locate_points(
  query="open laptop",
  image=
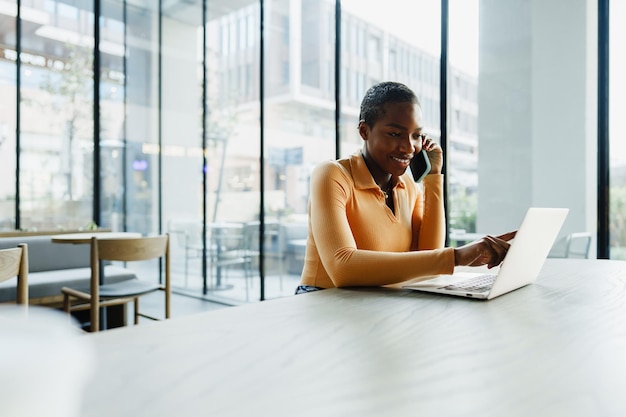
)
(521, 265)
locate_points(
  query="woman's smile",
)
(400, 163)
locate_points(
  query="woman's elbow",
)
(341, 269)
(344, 276)
(342, 282)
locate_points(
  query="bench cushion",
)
(49, 283)
(43, 255)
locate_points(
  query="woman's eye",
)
(394, 134)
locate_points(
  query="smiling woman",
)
(370, 223)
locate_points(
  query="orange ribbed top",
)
(356, 240)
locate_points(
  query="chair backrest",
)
(577, 245)
(128, 250)
(135, 249)
(14, 263)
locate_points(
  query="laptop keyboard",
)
(479, 284)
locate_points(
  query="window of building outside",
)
(380, 44)
(617, 132)
(56, 111)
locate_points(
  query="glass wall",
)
(299, 127)
(462, 150)
(200, 136)
(617, 131)
(140, 176)
(112, 110)
(56, 111)
(178, 93)
(232, 137)
(8, 114)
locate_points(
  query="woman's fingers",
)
(498, 247)
(507, 236)
(488, 250)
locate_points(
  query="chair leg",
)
(95, 316)
(136, 310)
(66, 303)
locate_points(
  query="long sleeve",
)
(430, 219)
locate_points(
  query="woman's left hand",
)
(435, 154)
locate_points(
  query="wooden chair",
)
(104, 295)
(14, 263)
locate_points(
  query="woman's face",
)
(395, 137)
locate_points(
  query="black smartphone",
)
(420, 166)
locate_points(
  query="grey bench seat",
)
(53, 266)
(44, 284)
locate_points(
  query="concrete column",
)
(537, 111)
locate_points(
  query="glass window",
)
(401, 38)
(224, 37)
(299, 132)
(112, 118)
(175, 145)
(138, 169)
(8, 94)
(312, 48)
(66, 11)
(373, 48)
(243, 38)
(253, 29)
(617, 132)
(50, 6)
(207, 211)
(56, 137)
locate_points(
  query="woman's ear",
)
(364, 129)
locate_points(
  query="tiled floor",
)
(182, 305)
(236, 288)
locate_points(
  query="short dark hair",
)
(381, 93)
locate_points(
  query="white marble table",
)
(554, 348)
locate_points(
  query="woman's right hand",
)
(488, 250)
